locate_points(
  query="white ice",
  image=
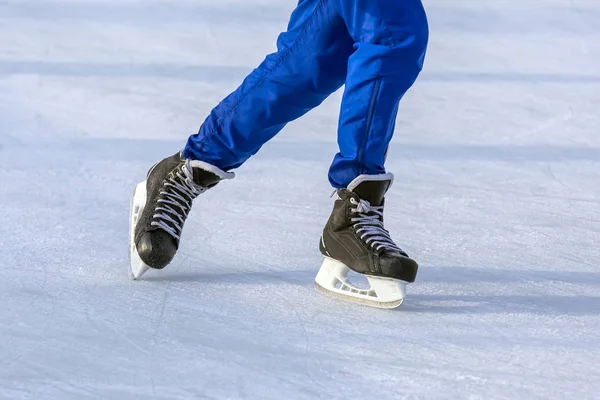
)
(497, 195)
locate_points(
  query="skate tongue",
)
(371, 188)
(205, 178)
(207, 175)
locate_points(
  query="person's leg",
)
(309, 65)
(391, 39)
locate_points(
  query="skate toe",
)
(398, 266)
(156, 248)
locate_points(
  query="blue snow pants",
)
(375, 48)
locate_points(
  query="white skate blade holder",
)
(332, 281)
(137, 267)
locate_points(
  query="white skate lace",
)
(369, 225)
(173, 203)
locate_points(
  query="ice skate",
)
(355, 239)
(160, 206)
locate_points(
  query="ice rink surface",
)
(497, 195)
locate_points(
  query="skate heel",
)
(332, 280)
(138, 201)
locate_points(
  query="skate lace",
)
(369, 225)
(174, 204)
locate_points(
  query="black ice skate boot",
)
(355, 238)
(160, 206)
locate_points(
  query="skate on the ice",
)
(355, 239)
(160, 206)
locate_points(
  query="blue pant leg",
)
(391, 39)
(309, 65)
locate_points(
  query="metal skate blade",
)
(332, 280)
(136, 272)
(359, 300)
(137, 268)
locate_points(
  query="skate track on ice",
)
(497, 163)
